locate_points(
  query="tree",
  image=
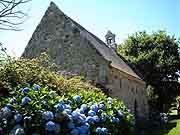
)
(11, 16)
(157, 57)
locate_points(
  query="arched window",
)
(135, 109)
(109, 40)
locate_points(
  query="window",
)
(109, 40)
(102, 74)
(132, 90)
(120, 83)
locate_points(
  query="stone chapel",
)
(78, 51)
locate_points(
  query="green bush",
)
(38, 71)
(178, 99)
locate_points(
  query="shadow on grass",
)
(152, 128)
(168, 127)
(174, 117)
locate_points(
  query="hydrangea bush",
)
(38, 110)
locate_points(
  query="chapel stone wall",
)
(129, 90)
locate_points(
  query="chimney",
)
(110, 40)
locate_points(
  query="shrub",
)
(24, 71)
(41, 110)
(178, 100)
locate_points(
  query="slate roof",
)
(108, 53)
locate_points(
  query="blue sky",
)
(122, 17)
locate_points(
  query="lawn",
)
(171, 128)
(176, 129)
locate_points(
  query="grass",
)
(171, 128)
(175, 130)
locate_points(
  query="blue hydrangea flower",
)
(115, 120)
(120, 113)
(81, 119)
(96, 118)
(81, 111)
(84, 107)
(104, 130)
(25, 100)
(53, 94)
(109, 99)
(75, 115)
(77, 98)
(101, 106)
(91, 113)
(48, 115)
(67, 111)
(18, 117)
(60, 107)
(90, 119)
(83, 115)
(94, 107)
(19, 131)
(36, 87)
(75, 131)
(6, 109)
(50, 126)
(83, 130)
(67, 106)
(70, 125)
(9, 106)
(6, 113)
(12, 132)
(25, 90)
(70, 102)
(99, 130)
(29, 118)
(87, 124)
(70, 117)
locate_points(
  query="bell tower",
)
(110, 40)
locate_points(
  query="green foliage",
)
(178, 99)
(41, 71)
(152, 97)
(156, 56)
